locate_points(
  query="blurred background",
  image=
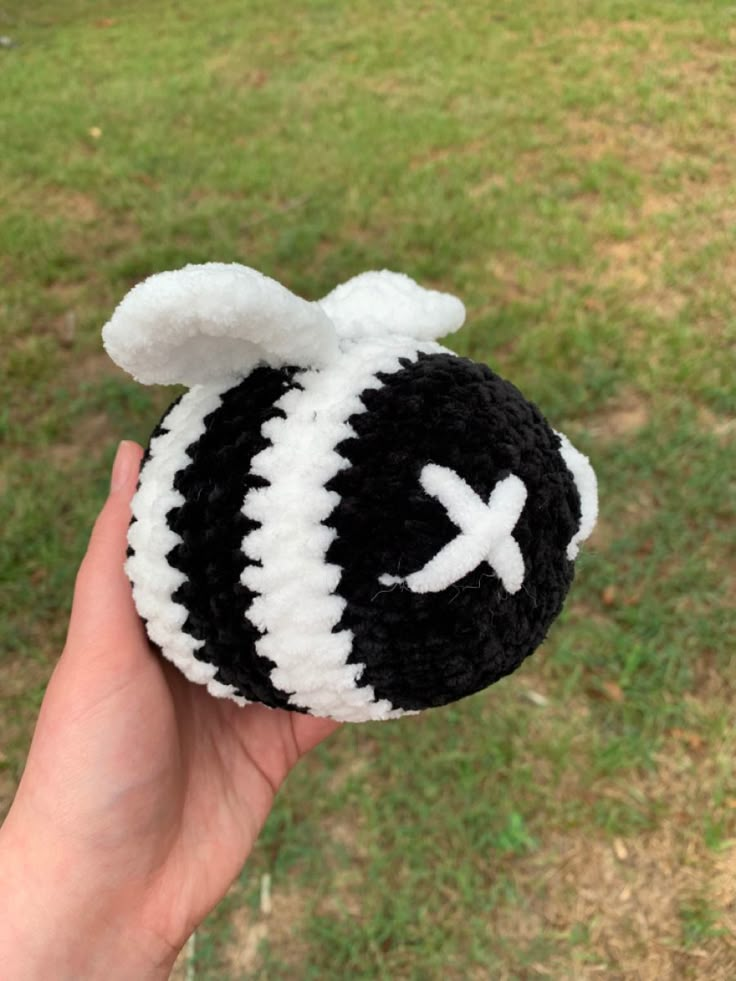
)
(568, 169)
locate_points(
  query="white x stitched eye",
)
(485, 533)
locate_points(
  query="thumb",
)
(103, 607)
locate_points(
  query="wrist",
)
(56, 923)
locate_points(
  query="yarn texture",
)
(341, 516)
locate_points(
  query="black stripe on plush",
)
(212, 527)
(159, 430)
(421, 650)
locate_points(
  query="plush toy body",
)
(340, 516)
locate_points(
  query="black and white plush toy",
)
(340, 516)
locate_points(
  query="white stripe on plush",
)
(296, 606)
(154, 580)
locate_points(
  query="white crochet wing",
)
(380, 303)
(206, 323)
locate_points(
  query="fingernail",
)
(120, 467)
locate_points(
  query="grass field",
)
(568, 169)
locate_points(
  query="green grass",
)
(568, 170)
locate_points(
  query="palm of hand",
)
(159, 787)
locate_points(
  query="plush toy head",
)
(340, 516)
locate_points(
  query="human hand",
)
(142, 795)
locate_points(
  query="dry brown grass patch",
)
(438, 155)
(721, 426)
(618, 421)
(637, 267)
(646, 148)
(491, 182)
(91, 434)
(724, 884)
(514, 278)
(631, 893)
(279, 928)
(359, 766)
(72, 205)
(91, 367)
(637, 264)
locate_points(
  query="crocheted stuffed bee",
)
(340, 516)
